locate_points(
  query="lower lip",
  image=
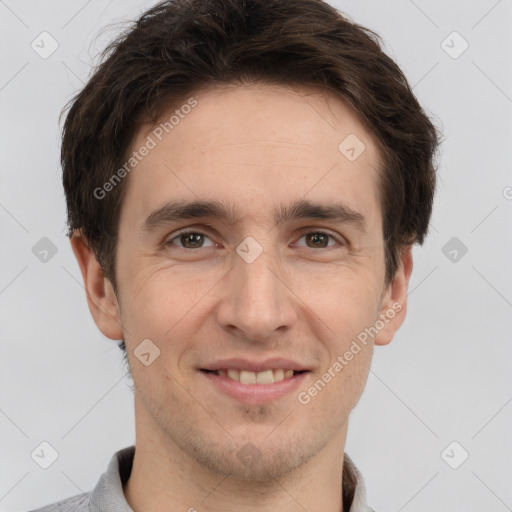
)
(254, 394)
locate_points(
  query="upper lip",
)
(255, 366)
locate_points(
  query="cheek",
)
(156, 297)
(344, 299)
(349, 347)
(346, 309)
(337, 387)
(167, 308)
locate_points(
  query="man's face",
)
(301, 289)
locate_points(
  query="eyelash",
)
(169, 241)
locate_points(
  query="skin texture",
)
(257, 147)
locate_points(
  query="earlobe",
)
(101, 298)
(393, 308)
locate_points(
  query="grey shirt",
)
(108, 494)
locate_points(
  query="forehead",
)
(259, 142)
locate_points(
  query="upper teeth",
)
(264, 377)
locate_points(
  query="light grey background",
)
(445, 377)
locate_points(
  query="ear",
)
(101, 298)
(393, 307)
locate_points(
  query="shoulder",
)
(78, 503)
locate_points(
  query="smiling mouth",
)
(264, 377)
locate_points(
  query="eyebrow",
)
(301, 209)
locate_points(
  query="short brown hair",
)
(179, 46)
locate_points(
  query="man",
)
(245, 180)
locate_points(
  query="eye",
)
(190, 240)
(196, 239)
(320, 239)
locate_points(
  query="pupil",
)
(316, 236)
(193, 236)
(195, 239)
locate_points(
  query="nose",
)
(257, 302)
